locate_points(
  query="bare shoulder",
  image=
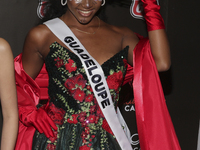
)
(38, 34)
(4, 45)
(5, 49)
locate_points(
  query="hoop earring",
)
(63, 3)
(104, 1)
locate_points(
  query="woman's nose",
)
(87, 3)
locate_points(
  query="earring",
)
(104, 1)
(63, 3)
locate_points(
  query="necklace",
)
(90, 32)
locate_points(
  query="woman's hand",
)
(42, 122)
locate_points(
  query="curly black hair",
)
(53, 9)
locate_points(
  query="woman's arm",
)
(156, 34)
(32, 61)
(8, 97)
(160, 49)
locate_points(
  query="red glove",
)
(41, 121)
(152, 15)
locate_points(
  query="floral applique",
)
(51, 146)
(59, 62)
(70, 66)
(56, 114)
(75, 85)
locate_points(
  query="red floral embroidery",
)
(75, 85)
(56, 114)
(82, 114)
(96, 120)
(53, 139)
(106, 127)
(87, 130)
(91, 118)
(81, 119)
(85, 147)
(92, 109)
(83, 135)
(73, 120)
(59, 62)
(99, 112)
(79, 95)
(89, 88)
(70, 66)
(89, 98)
(51, 147)
(114, 80)
(84, 124)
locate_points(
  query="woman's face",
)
(84, 10)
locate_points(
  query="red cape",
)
(155, 128)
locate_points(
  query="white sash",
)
(96, 77)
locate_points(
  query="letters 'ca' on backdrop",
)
(180, 83)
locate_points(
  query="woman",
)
(8, 97)
(73, 105)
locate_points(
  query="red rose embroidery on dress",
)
(59, 62)
(51, 147)
(106, 127)
(79, 95)
(83, 114)
(99, 112)
(114, 80)
(53, 139)
(75, 85)
(56, 114)
(91, 118)
(89, 98)
(73, 120)
(70, 66)
(92, 109)
(85, 147)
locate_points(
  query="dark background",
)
(181, 83)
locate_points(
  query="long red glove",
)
(41, 121)
(152, 15)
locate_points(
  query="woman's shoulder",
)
(128, 37)
(5, 50)
(4, 46)
(39, 32)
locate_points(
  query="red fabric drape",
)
(28, 97)
(155, 128)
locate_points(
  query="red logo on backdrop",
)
(136, 9)
(41, 8)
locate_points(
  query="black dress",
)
(73, 107)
